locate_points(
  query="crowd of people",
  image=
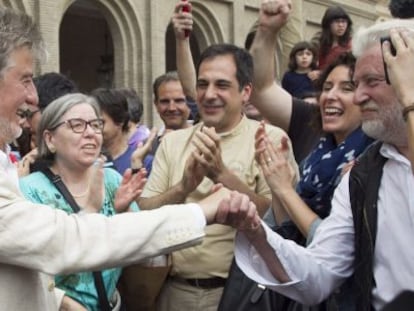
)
(302, 185)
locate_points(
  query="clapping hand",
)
(208, 154)
(142, 150)
(130, 189)
(278, 172)
(96, 192)
(23, 166)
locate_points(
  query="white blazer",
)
(37, 242)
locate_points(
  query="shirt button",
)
(51, 285)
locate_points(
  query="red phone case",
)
(186, 8)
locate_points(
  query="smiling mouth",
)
(333, 112)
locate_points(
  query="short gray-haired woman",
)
(69, 143)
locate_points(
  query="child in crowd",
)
(302, 60)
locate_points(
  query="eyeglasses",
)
(79, 125)
(27, 113)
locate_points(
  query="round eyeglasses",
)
(79, 125)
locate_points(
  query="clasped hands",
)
(204, 161)
(233, 209)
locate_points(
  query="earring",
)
(52, 149)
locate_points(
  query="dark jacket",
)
(364, 183)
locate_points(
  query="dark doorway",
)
(170, 54)
(86, 48)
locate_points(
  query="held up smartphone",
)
(393, 52)
(186, 8)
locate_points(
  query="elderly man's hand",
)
(239, 212)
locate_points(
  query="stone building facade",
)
(127, 43)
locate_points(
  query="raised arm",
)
(270, 98)
(182, 21)
(401, 74)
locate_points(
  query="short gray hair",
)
(18, 30)
(366, 37)
(52, 115)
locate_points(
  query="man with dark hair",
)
(49, 86)
(219, 149)
(36, 241)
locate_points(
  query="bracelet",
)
(406, 110)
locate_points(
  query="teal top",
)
(36, 187)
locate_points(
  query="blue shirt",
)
(123, 162)
(297, 84)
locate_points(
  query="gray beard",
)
(395, 135)
(7, 132)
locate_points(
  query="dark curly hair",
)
(402, 8)
(298, 47)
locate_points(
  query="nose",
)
(210, 92)
(360, 96)
(332, 93)
(172, 105)
(31, 94)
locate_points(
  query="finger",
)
(223, 211)
(386, 52)
(208, 138)
(211, 133)
(284, 144)
(179, 6)
(250, 221)
(216, 187)
(408, 37)
(126, 177)
(201, 146)
(200, 159)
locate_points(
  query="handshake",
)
(231, 208)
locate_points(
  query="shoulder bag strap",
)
(97, 276)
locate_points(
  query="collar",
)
(236, 130)
(390, 152)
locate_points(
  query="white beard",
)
(9, 131)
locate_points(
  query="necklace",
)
(80, 195)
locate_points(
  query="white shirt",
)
(8, 167)
(317, 270)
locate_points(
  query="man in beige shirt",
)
(220, 149)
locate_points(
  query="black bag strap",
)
(57, 181)
(97, 275)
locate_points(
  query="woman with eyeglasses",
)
(70, 146)
(334, 39)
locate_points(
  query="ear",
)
(247, 92)
(49, 140)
